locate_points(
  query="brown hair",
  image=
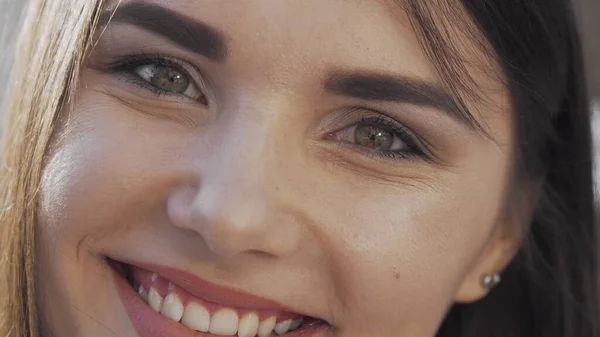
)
(51, 48)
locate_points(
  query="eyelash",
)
(416, 149)
(126, 68)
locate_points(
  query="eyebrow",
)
(180, 29)
(380, 87)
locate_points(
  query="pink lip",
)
(149, 323)
(211, 292)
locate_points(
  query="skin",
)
(253, 192)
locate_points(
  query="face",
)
(239, 167)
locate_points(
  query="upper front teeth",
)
(224, 322)
(248, 326)
(196, 317)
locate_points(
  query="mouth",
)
(161, 301)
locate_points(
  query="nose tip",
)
(234, 221)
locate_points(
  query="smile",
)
(165, 302)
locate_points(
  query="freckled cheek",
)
(106, 162)
(405, 246)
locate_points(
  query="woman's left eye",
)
(380, 136)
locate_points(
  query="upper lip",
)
(212, 292)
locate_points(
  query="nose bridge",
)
(243, 167)
(237, 207)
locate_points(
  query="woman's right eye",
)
(162, 76)
(169, 80)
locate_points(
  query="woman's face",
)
(240, 161)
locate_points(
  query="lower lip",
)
(149, 323)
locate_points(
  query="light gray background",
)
(587, 10)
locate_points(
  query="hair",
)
(550, 289)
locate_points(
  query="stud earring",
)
(490, 281)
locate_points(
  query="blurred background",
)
(588, 12)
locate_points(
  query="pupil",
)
(374, 137)
(170, 79)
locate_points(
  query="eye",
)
(380, 136)
(376, 138)
(168, 79)
(162, 76)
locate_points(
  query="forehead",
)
(355, 32)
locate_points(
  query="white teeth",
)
(283, 327)
(142, 292)
(172, 307)
(155, 300)
(196, 317)
(266, 327)
(248, 325)
(296, 323)
(224, 322)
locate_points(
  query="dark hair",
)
(551, 288)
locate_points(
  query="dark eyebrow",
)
(378, 87)
(182, 30)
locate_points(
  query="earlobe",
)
(504, 245)
(486, 273)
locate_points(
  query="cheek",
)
(104, 167)
(409, 244)
(95, 183)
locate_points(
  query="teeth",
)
(155, 300)
(283, 327)
(296, 323)
(248, 325)
(224, 322)
(172, 307)
(196, 317)
(266, 327)
(142, 292)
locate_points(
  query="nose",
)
(237, 206)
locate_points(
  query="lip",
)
(212, 292)
(149, 323)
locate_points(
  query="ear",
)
(500, 250)
(503, 245)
